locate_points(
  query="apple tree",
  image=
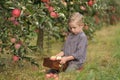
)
(26, 24)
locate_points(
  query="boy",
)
(75, 46)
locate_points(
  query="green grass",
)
(103, 60)
(103, 57)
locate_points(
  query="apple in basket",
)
(55, 58)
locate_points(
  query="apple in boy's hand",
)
(53, 58)
(58, 57)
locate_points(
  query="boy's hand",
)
(63, 60)
(66, 58)
(55, 58)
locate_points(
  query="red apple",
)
(54, 14)
(13, 40)
(46, 1)
(16, 12)
(15, 58)
(17, 46)
(50, 9)
(90, 3)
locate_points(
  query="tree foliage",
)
(48, 18)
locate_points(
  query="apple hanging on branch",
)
(54, 14)
(15, 58)
(45, 1)
(13, 40)
(16, 12)
(90, 3)
(17, 46)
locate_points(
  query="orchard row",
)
(23, 21)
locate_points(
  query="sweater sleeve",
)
(80, 52)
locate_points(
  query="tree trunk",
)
(40, 39)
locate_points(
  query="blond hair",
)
(76, 17)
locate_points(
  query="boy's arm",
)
(66, 59)
(60, 54)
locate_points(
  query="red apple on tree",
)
(15, 58)
(46, 1)
(50, 9)
(90, 2)
(17, 46)
(54, 14)
(16, 12)
(13, 40)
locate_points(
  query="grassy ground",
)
(103, 61)
(103, 57)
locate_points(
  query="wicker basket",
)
(54, 64)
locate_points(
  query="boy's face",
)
(75, 28)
